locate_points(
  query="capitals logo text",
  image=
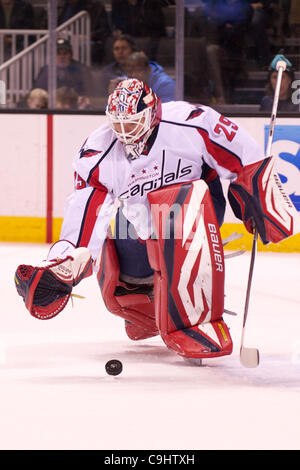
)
(162, 180)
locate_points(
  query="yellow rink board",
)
(290, 245)
(23, 229)
(33, 230)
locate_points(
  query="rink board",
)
(37, 173)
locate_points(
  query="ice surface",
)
(55, 393)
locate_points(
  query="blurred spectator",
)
(258, 29)
(140, 18)
(285, 102)
(100, 29)
(15, 14)
(70, 73)
(226, 27)
(123, 46)
(216, 64)
(68, 98)
(139, 66)
(195, 17)
(37, 99)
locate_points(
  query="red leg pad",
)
(188, 261)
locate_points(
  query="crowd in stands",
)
(135, 38)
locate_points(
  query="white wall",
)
(23, 165)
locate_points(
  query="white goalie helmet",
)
(133, 111)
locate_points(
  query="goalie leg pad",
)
(188, 261)
(206, 340)
(134, 303)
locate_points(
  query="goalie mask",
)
(133, 111)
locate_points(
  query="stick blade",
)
(249, 357)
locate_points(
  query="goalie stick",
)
(249, 357)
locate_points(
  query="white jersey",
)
(187, 136)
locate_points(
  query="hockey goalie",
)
(162, 269)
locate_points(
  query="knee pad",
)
(132, 302)
(132, 254)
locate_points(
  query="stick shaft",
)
(250, 276)
(274, 111)
(248, 351)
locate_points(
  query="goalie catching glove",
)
(47, 288)
(259, 200)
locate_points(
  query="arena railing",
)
(20, 71)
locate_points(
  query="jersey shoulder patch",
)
(94, 149)
(86, 153)
(195, 113)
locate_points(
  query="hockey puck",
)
(114, 367)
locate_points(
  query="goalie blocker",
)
(188, 262)
(259, 200)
